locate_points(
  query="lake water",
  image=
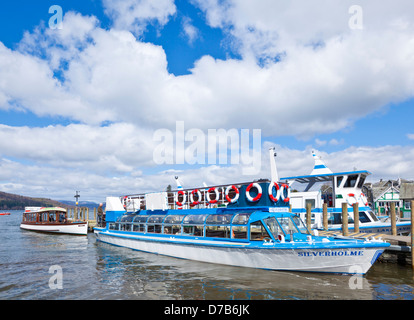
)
(43, 266)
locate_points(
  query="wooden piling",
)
(393, 220)
(345, 232)
(309, 216)
(325, 216)
(356, 216)
(412, 234)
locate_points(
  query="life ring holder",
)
(259, 192)
(236, 197)
(209, 198)
(194, 203)
(282, 192)
(270, 191)
(180, 204)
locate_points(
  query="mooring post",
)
(345, 232)
(308, 215)
(356, 216)
(325, 215)
(412, 234)
(393, 220)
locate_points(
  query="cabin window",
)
(258, 231)
(239, 232)
(241, 218)
(139, 223)
(273, 226)
(287, 225)
(218, 231)
(112, 226)
(193, 230)
(300, 225)
(194, 219)
(361, 181)
(351, 181)
(154, 228)
(174, 219)
(219, 219)
(138, 227)
(339, 180)
(172, 229)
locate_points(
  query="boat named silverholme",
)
(52, 220)
(246, 225)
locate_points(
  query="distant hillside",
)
(10, 201)
(83, 204)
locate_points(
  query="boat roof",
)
(45, 209)
(323, 177)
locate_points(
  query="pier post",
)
(345, 232)
(393, 219)
(94, 214)
(308, 216)
(325, 216)
(412, 234)
(356, 216)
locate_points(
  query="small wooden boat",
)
(53, 220)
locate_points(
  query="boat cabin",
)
(54, 215)
(225, 224)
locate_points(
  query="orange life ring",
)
(270, 191)
(282, 192)
(227, 194)
(259, 192)
(194, 203)
(208, 195)
(180, 204)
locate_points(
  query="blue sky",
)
(81, 104)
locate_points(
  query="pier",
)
(83, 214)
(401, 249)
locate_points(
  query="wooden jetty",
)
(82, 213)
(401, 249)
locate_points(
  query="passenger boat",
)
(52, 220)
(334, 189)
(245, 225)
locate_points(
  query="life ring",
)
(348, 199)
(180, 204)
(194, 203)
(282, 192)
(259, 192)
(227, 194)
(270, 191)
(363, 199)
(208, 195)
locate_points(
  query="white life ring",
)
(208, 195)
(259, 192)
(270, 191)
(348, 199)
(194, 203)
(180, 204)
(227, 194)
(282, 192)
(363, 199)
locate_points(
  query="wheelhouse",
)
(235, 226)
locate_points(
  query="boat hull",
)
(311, 259)
(77, 228)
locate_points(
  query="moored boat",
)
(245, 225)
(334, 189)
(4, 213)
(52, 220)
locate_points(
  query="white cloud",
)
(190, 31)
(135, 15)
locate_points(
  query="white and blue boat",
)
(334, 189)
(245, 225)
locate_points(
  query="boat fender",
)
(236, 197)
(208, 195)
(180, 204)
(282, 192)
(259, 192)
(194, 203)
(270, 191)
(350, 196)
(281, 238)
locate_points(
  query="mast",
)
(273, 168)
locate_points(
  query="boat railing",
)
(191, 198)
